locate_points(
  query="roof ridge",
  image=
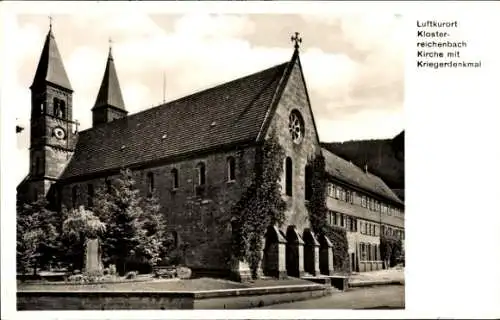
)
(192, 95)
(387, 193)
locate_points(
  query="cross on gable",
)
(50, 22)
(296, 39)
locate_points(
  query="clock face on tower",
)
(59, 133)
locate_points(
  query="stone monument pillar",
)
(93, 263)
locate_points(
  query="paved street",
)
(380, 297)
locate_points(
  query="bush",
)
(77, 278)
(112, 269)
(184, 273)
(131, 275)
(165, 272)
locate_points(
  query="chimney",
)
(366, 168)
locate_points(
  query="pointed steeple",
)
(110, 94)
(50, 67)
(109, 103)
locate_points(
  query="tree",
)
(390, 249)
(132, 224)
(79, 225)
(37, 236)
(152, 231)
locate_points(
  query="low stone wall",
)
(136, 300)
(39, 300)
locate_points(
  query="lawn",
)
(201, 284)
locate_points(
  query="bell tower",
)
(53, 132)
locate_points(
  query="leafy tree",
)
(152, 232)
(132, 224)
(391, 249)
(37, 236)
(78, 226)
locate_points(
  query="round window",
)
(296, 126)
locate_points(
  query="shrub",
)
(76, 271)
(166, 272)
(76, 278)
(105, 271)
(112, 269)
(184, 272)
(131, 275)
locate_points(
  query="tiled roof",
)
(229, 113)
(110, 93)
(50, 67)
(354, 175)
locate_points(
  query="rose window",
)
(296, 126)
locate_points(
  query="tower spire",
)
(50, 66)
(110, 53)
(109, 103)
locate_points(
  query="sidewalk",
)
(380, 277)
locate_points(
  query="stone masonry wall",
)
(201, 222)
(294, 98)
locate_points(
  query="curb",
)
(358, 284)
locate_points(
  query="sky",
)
(353, 64)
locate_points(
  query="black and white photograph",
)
(209, 160)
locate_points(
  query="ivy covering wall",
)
(260, 206)
(318, 215)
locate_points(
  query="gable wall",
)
(294, 97)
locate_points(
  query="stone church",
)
(197, 150)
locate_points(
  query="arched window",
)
(175, 178)
(369, 249)
(62, 109)
(74, 196)
(90, 195)
(151, 184)
(55, 107)
(308, 182)
(288, 176)
(200, 171)
(231, 174)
